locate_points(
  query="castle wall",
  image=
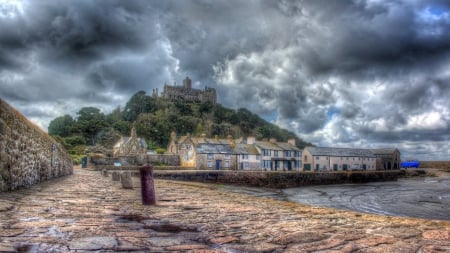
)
(28, 155)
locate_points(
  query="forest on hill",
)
(155, 118)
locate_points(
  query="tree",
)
(89, 122)
(61, 126)
(138, 103)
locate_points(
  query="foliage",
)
(61, 126)
(160, 150)
(154, 119)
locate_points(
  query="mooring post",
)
(125, 178)
(147, 185)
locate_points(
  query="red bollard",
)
(147, 185)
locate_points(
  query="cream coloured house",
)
(337, 159)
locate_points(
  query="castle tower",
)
(187, 83)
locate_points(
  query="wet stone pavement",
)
(87, 212)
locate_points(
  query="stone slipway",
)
(86, 212)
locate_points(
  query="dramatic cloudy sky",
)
(361, 73)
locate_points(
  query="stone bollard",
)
(127, 182)
(147, 185)
(115, 176)
(105, 173)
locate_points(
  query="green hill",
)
(154, 119)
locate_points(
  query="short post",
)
(147, 185)
(127, 182)
(105, 173)
(115, 176)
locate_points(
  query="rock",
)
(300, 237)
(93, 243)
(127, 182)
(115, 176)
(439, 235)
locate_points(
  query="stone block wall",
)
(28, 155)
(167, 159)
(278, 179)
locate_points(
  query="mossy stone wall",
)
(28, 155)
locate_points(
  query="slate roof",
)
(267, 145)
(287, 146)
(209, 148)
(322, 151)
(248, 149)
(384, 151)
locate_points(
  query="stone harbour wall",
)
(28, 155)
(167, 159)
(278, 179)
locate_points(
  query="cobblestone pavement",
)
(88, 212)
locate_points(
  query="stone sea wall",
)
(278, 179)
(28, 155)
(166, 159)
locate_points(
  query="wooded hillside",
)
(155, 118)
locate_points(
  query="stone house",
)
(206, 153)
(279, 156)
(387, 158)
(337, 159)
(130, 146)
(217, 154)
(248, 157)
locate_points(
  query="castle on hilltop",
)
(187, 93)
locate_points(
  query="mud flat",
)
(88, 212)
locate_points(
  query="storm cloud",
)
(358, 73)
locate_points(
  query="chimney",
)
(291, 141)
(251, 140)
(272, 140)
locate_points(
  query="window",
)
(266, 152)
(244, 156)
(317, 158)
(257, 157)
(227, 164)
(306, 158)
(266, 164)
(210, 163)
(297, 153)
(210, 156)
(275, 153)
(327, 157)
(287, 153)
(227, 156)
(246, 165)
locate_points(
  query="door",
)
(218, 164)
(335, 167)
(307, 167)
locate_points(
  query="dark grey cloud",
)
(338, 73)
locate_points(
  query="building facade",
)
(387, 158)
(337, 159)
(189, 94)
(129, 146)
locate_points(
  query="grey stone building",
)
(187, 93)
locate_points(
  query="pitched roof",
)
(287, 146)
(248, 149)
(209, 148)
(267, 145)
(384, 151)
(323, 151)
